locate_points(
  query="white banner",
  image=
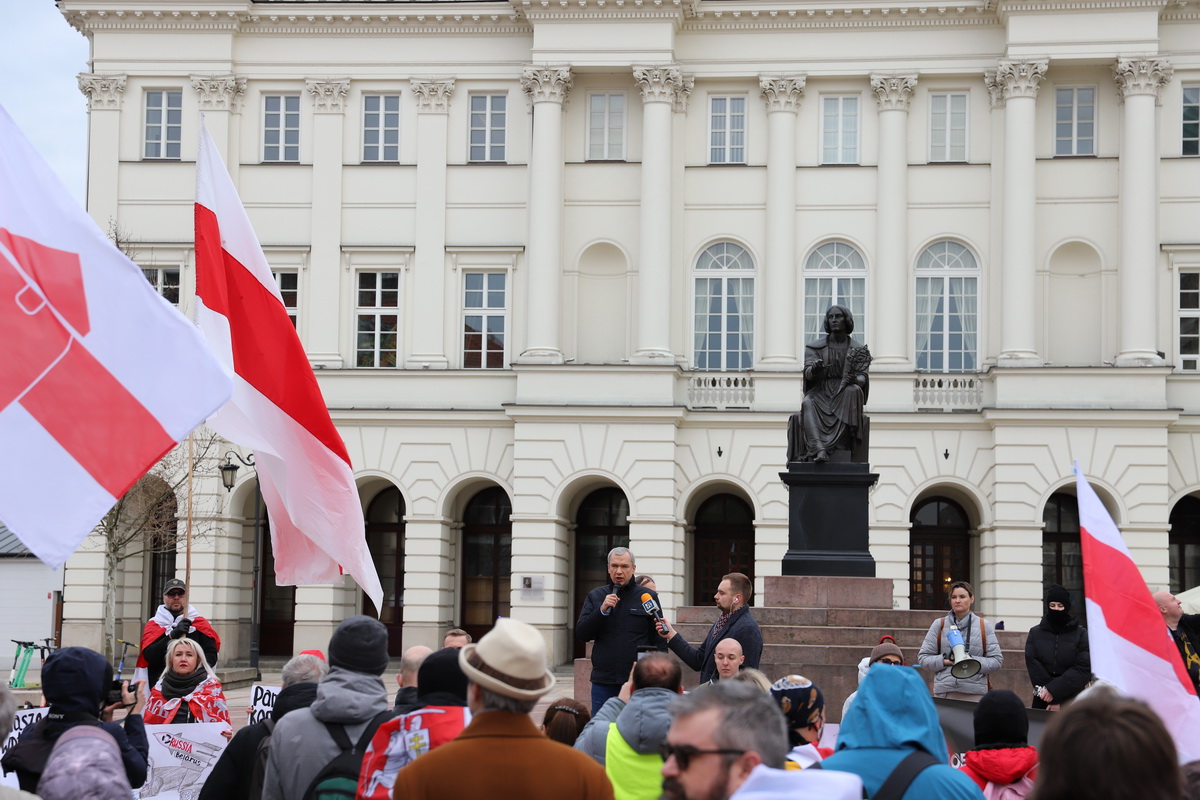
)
(262, 701)
(21, 721)
(181, 756)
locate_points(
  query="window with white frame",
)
(947, 313)
(289, 289)
(606, 126)
(165, 281)
(727, 129)
(1189, 320)
(164, 124)
(381, 127)
(839, 129)
(488, 120)
(1074, 121)
(377, 319)
(1191, 120)
(834, 274)
(724, 308)
(281, 127)
(947, 126)
(485, 320)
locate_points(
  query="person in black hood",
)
(75, 682)
(1056, 653)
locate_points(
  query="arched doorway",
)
(1062, 553)
(939, 552)
(385, 540)
(487, 561)
(601, 524)
(277, 604)
(1185, 544)
(724, 543)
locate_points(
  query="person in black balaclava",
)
(1056, 653)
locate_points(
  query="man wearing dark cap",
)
(352, 696)
(174, 619)
(1001, 755)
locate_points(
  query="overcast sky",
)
(40, 55)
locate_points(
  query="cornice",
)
(1006, 7)
(539, 10)
(771, 14)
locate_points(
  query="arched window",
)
(834, 274)
(947, 313)
(724, 543)
(939, 551)
(601, 524)
(385, 540)
(1185, 544)
(724, 322)
(487, 561)
(1062, 553)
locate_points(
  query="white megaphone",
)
(964, 665)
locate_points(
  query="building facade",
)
(555, 265)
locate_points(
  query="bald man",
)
(1185, 630)
(729, 658)
(410, 662)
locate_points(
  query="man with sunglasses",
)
(174, 619)
(730, 742)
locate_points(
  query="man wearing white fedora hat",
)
(502, 753)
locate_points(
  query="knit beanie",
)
(440, 673)
(1057, 594)
(886, 649)
(360, 644)
(1000, 718)
(801, 703)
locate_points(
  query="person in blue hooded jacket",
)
(893, 716)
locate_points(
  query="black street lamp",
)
(229, 471)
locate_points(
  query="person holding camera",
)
(174, 619)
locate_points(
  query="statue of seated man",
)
(831, 415)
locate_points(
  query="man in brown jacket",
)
(502, 753)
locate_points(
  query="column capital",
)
(659, 84)
(433, 97)
(782, 92)
(688, 82)
(219, 92)
(102, 91)
(329, 94)
(1021, 78)
(893, 91)
(995, 88)
(546, 84)
(1142, 75)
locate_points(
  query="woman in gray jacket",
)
(979, 637)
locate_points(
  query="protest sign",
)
(21, 721)
(262, 701)
(181, 757)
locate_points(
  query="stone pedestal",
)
(827, 519)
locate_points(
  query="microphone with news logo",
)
(653, 609)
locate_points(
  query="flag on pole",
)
(277, 410)
(1130, 644)
(100, 375)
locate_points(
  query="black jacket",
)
(1057, 657)
(741, 626)
(619, 634)
(406, 700)
(230, 776)
(1189, 628)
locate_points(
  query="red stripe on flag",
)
(267, 353)
(1115, 584)
(97, 420)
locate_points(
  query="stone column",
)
(320, 332)
(104, 94)
(778, 270)
(428, 283)
(660, 86)
(220, 98)
(890, 287)
(994, 282)
(547, 88)
(1019, 82)
(1139, 81)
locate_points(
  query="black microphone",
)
(651, 606)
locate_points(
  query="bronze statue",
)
(831, 415)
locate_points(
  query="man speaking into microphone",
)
(735, 622)
(620, 618)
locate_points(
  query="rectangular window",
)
(1191, 120)
(165, 282)
(1189, 321)
(1074, 121)
(839, 130)
(281, 127)
(724, 335)
(946, 324)
(381, 127)
(289, 290)
(164, 124)
(485, 313)
(821, 293)
(488, 114)
(727, 130)
(377, 319)
(606, 127)
(948, 126)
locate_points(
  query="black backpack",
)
(258, 769)
(338, 780)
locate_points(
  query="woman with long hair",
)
(188, 690)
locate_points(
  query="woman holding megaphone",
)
(961, 649)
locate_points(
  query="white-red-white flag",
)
(1130, 644)
(277, 410)
(100, 375)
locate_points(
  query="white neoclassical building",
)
(555, 264)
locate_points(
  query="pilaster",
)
(104, 95)
(221, 98)
(324, 275)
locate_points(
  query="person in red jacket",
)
(174, 619)
(1002, 764)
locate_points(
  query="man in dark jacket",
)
(233, 776)
(174, 619)
(1056, 652)
(1185, 630)
(615, 617)
(735, 622)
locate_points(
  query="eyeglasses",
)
(684, 753)
(176, 593)
(890, 662)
